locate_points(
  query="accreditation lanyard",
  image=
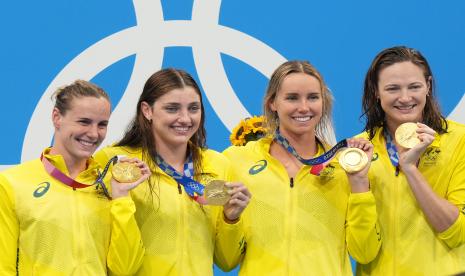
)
(63, 178)
(193, 188)
(392, 151)
(317, 163)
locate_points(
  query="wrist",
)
(230, 221)
(407, 169)
(117, 194)
(359, 185)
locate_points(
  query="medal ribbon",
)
(193, 188)
(392, 150)
(317, 163)
(63, 178)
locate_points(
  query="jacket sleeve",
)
(454, 236)
(126, 251)
(229, 243)
(9, 229)
(230, 238)
(363, 234)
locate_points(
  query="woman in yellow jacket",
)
(55, 210)
(301, 221)
(179, 235)
(420, 191)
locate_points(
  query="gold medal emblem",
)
(406, 135)
(125, 172)
(216, 193)
(353, 160)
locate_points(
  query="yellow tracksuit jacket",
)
(177, 235)
(410, 246)
(305, 225)
(55, 230)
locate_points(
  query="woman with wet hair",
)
(419, 189)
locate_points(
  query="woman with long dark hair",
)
(420, 188)
(179, 234)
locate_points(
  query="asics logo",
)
(260, 166)
(42, 189)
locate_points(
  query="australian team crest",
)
(431, 156)
(327, 173)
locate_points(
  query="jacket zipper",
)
(290, 226)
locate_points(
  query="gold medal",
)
(125, 172)
(406, 135)
(353, 160)
(216, 193)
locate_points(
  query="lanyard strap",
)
(392, 150)
(63, 178)
(317, 162)
(192, 187)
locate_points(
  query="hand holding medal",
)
(406, 135)
(216, 193)
(413, 139)
(128, 174)
(234, 197)
(356, 157)
(239, 199)
(355, 160)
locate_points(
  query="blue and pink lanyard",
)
(317, 163)
(63, 178)
(193, 188)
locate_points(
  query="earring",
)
(276, 120)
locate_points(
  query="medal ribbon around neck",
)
(392, 150)
(193, 188)
(63, 178)
(317, 163)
